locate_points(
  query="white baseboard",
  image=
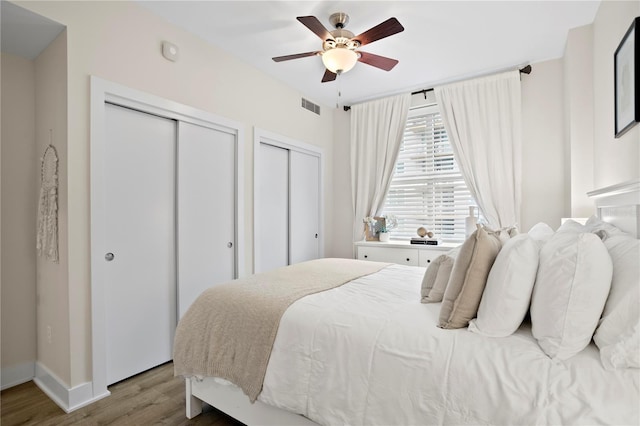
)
(69, 399)
(17, 375)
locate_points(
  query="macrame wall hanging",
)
(47, 241)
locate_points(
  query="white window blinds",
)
(427, 188)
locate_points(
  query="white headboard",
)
(620, 205)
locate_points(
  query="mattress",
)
(369, 353)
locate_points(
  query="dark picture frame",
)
(626, 80)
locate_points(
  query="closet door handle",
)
(109, 257)
(229, 244)
(316, 235)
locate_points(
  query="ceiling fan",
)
(339, 46)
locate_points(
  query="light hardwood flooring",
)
(154, 397)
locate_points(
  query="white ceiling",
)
(443, 41)
(25, 33)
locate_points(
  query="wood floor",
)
(154, 397)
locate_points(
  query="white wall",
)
(342, 232)
(120, 42)
(19, 171)
(578, 119)
(52, 278)
(595, 158)
(543, 154)
(616, 160)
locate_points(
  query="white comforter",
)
(369, 353)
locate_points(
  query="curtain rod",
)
(523, 70)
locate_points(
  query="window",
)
(427, 188)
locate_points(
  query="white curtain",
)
(377, 128)
(483, 121)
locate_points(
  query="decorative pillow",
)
(571, 288)
(506, 297)
(430, 276)
(468, 278)
(617, 335)
(436, 278)
(541, 232)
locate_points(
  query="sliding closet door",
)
(287, 202)
(304, 199)
(206, 212)
(140, 277)
(272, 207)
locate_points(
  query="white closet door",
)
(272, 204)
(140, 241)
(304, 199)
(206, 212)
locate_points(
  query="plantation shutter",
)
(427, 188)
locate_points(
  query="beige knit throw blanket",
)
(229, 330)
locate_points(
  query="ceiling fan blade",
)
(381, 62)
(389, 27)
(296, 56)
(328, 76)
(316, 26)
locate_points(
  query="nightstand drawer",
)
(427, 256)
(401, 252)
(394, 255)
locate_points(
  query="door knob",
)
(109, 257)
(229, 244)
(316, 235)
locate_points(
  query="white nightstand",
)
(401, 252)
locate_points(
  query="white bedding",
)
(369, 353)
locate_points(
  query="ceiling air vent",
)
(310, 106)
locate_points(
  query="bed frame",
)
(617, 204)
(231, 400)
(620, 205)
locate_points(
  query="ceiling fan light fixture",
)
(339, 47)
(339, 60)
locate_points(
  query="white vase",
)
(384, 236)
(470, 222)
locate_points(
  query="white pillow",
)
(625, 353)
(617, 335)
(595, 224)
(503, 234)
(625, 257)
(506, 296)
(572, 226)
(571, 288)
(541, 232)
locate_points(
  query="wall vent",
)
(310, 106)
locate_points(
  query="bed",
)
(367, 352)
